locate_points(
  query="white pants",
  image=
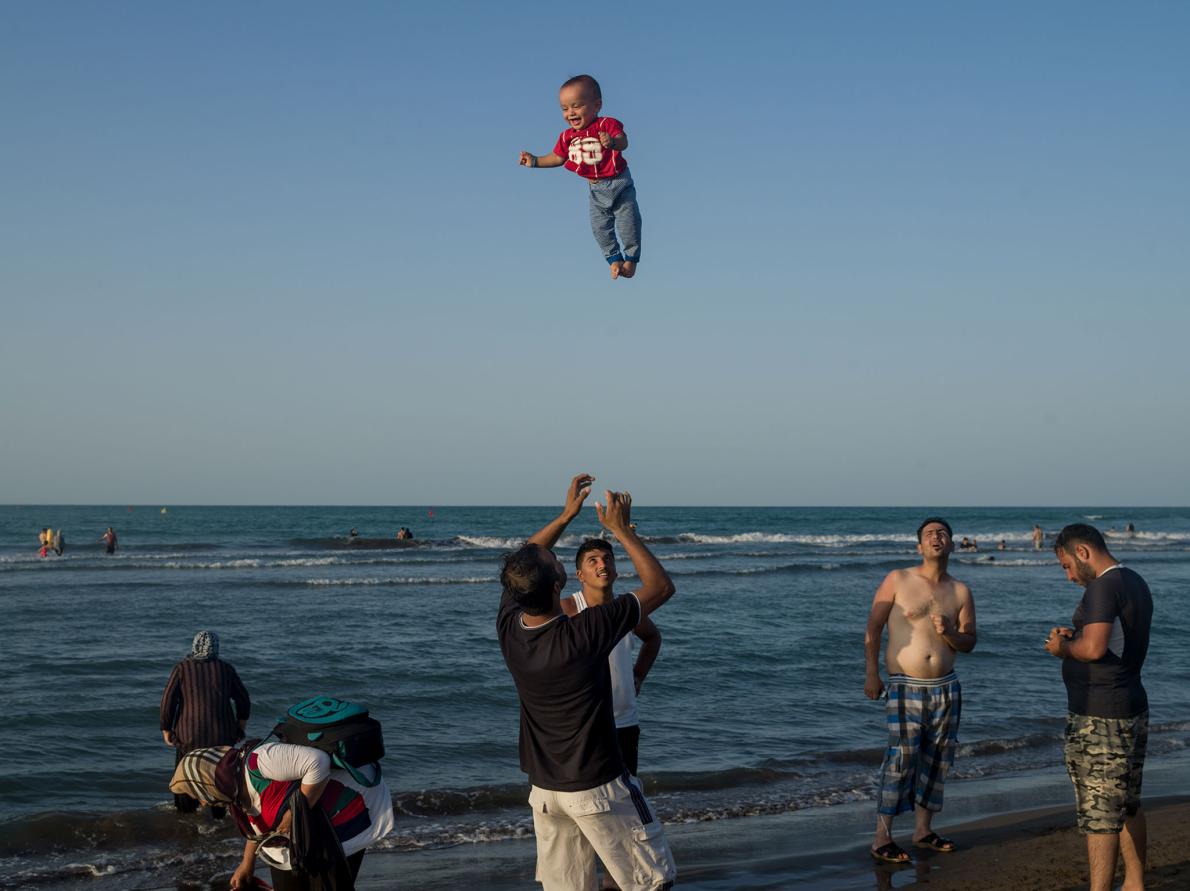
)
(613, 821)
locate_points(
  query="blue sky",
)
(893, 254)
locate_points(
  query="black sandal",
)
(890, 853)
(935, 842)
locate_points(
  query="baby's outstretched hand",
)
(527, 159)
(605, 140)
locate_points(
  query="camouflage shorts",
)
(1105, 758)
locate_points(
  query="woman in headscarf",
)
(196, 707)
(278, 788)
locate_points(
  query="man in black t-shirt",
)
(1107, 726)
(584, 801)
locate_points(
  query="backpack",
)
(341, 729)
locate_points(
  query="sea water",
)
(755, 705)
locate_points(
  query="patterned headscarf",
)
(195, 776)
(206, 645)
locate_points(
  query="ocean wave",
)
(491, 542)
(783, 569)
(1142, 537)
(829, 541)
(993, 560)
(501, 543)
(403, 580)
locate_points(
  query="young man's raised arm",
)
(656, 587)
(547, 536)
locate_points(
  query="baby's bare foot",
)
(628, 269)
(617, 268)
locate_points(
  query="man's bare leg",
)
(1134, 846)
(883, 831)
(1103, 849)
(884, 834)
(921, 822)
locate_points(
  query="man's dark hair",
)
(591, 544)
(587, 81)
(927, 521)
(1079, 533)
(529, 580)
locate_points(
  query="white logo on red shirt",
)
(586, 150)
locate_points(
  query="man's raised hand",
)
(580, 488)
(615, 517)
(547, 536)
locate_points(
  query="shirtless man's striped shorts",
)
(923, 733)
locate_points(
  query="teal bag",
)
(342, 729)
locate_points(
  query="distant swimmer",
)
(1038, 537)
(1129, 530)
(967, 544)
(59, 542)
(45, 541)
(354, 532)
(930, 616)
(109, 538)
(593, 147)
(403, 534)
(1002, 546)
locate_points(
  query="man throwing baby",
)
(584, 800)
(930, 616)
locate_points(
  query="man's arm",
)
(656, 587)
(528, 159)
(882, 605)
(962, 637)
(242, 877)
(548, 535)
(1089, 646)
(650, 647)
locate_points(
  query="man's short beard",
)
(1083, 571)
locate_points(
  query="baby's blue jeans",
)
(614, 210)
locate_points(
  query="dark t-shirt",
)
(1110, 687)
(568, 726)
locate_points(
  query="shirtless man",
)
(930, 616)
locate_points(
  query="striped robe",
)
(197, 704)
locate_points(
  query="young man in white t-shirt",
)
(595, 568)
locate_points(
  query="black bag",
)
(341, 729)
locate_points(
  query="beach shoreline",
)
(1031, 850)
(1012, 832)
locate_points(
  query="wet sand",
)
(1015, 833)
(1035, 850)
